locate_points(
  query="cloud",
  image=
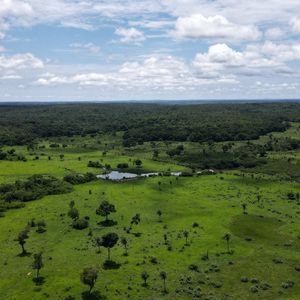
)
(153, 73)
(10, 77)
(274, 33)
(90, 47)
(198, 26)
(15, 8)
(20, 61)
(281, 52)
(153, 24)
(221, 58)
(129, 35)
(240, 12)
(295, 23)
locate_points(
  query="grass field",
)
(264, 257)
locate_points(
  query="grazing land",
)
(225, 226)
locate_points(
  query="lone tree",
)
(166, 239)
(145, 277)
(37, 264)
(138, 163)
(124, 243)
(163, 276)
(73, 213)
(186, 235)
(109, 241)
(227, 238)
(22, 237)
(135, 220)
(105, 209)
(89, 277)
(159, 213)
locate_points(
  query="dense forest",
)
(22, 124)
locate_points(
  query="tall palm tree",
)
(186, 235)
(163, 276)
(227, 238)
(145, 277)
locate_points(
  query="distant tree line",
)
(22, 124)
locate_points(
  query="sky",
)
(84, 50)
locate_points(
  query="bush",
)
(94, 164)
(80, 224)
(80, 178)
(122, 166)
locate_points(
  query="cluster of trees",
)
(282, 144)
(246, 156)
(177, 151)
(22, 124)
(11, 155)
(95, 164)
(80, 178)
(35, 187)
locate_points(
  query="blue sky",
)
(149, 50)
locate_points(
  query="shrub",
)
(80, 224)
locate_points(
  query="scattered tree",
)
(163, 276)
(124, 243)
(159, 213)
(186, 235)
(108, 241)
(22, 237)
(135, 220)
(37, 264)
(227, 238)
(73, 213)
(105, 209)
(89, 277)
(138, 163)
(145, 277)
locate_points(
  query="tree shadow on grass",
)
(39, 280)
(111, 265)
(136, 234)
(92, 296)
(24, 254)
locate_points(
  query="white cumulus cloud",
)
(295, 23)
(20, 61)
(199, 26)
(129, 35)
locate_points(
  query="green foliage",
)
(20, 125)
(80, 178)
(80, 224)
(21, 238)
(35, 187)
(37, 263)
(89, 277)
(105, 209)
(73, 213)
(95, 164)
(122, 166)
(108, 241)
